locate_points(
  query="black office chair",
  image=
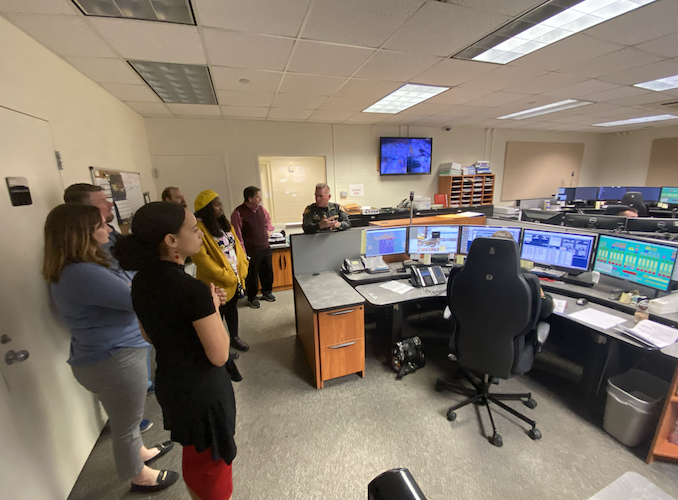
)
(495, 313)
(635, 199)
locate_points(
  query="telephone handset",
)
(427, 276)
(351, 266)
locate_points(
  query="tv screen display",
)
(405, 155)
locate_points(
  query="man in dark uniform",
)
(323, 215)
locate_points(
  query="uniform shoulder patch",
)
(307, 210)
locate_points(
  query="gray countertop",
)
(328, 290)
(279, 246)
(377, 295)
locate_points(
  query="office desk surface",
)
(328, 290)
(377, 295)
(440, 220)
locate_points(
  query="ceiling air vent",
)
(670, 105)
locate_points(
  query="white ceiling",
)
(327, 60)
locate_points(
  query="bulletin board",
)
(124, 190)
(663, 167)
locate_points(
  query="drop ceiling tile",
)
(124, 92)
(583, 88)
(243, 112)
(496, 99)
(432, 121)
(441, 29)
(322, 115)
(613, 62)
(325, 59)
(566, 52)
(426, 108)
(459, 95)
(152, 41)
(290, 114)
(65, 35)
(294, 83)
(639, 100)
(611, 112)
(239, 98)
(271, 17)
(347, 104)
(462, 111)
(356, 22)
(666, 46)
(451, 72)
(401, 119)
(150, 108)
(647, 23)
(104, 70)
(367, 118)
(502, 77)
(661, 69)
(529, 102)
(511, 8)
(194, 109)
(246, 50)
(371, 89)
(298, 101)
(39, 7)
(395, 66)
(259, 81)
(546, 83)
(466, 120)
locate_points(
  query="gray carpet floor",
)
(298, 443)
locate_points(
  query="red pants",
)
(206, 478)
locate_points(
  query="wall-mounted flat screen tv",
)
(405, 155)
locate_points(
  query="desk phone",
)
(427, 276)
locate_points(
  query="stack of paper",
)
(397, 287)
(597, 318)
(652, 334)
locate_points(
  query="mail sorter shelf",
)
(463, 190)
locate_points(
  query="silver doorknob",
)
(12, 357)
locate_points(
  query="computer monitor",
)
(650, 194)
(649, 224)
(565, 194)
(638, 261)
(586, 221)
(543, 216)
(611, 193)
(470, 233)
(669, 195)
(433, 239)
(389, 241)
(586, 193)
(568, 251)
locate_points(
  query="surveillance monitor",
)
(595, 221)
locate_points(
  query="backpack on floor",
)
(407, 355)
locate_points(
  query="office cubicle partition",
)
(315, 253)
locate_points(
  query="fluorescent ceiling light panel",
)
(544, 25)
(177, 83)
(169, 11)
(644, 119)
(405, 97)
(542, 110)
(668, 83)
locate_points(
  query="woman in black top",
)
(179, 316)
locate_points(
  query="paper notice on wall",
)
(356, 190)
(124, 210)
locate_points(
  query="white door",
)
(192, 174)
(48, 423)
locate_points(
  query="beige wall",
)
(89, 127)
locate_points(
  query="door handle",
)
(12, 357)
(342, 345)
(341, 312)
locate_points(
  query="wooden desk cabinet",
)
(282, 269)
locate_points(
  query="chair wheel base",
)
(530, 403)
(451, 416)
(497, 441)
(534, 434)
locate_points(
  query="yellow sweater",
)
(213, 266)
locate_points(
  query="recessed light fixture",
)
(644, 119)
(405, 97)
(169, 11)
(668, 83)
(177, 83)
(542, 110)
(544, 25)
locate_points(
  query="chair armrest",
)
(543, 330)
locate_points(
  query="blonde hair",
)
(321, 185)
(502, 233)
(69, 238)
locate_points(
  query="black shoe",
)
(233, 371)
(166, 478)
(233, 355)
(237, 343)
(254, 303)
(269, 297)
(164, 450)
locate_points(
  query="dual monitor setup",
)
(637, 261)
(668, 195)
(598, 221)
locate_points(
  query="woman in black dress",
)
(179, 316)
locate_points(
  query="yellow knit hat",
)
(204, 198)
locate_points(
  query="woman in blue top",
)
(108, 353)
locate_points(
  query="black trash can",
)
(394, 484)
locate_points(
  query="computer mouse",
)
(582, 302)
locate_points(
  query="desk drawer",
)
(341, 325)
(342, 359)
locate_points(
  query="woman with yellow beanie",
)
(221, 259)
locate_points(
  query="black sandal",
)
(164, 449)
(166, 478)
